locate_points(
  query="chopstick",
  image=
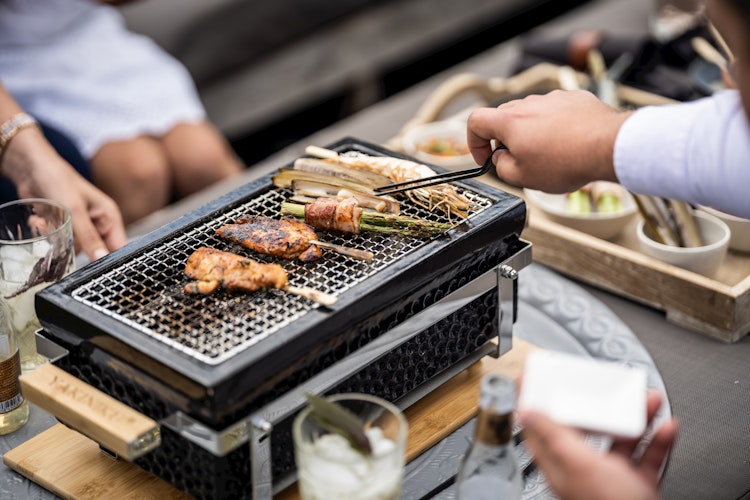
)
(670, 222)
(399, 187)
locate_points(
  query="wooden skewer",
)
(686, 224)
(319, 152)
(666, 217)
(720, 40)
(659, 222)
(568, 79)
(354, 253)
(311, 294)
(606, 89)
(648, 219)
(708, 52)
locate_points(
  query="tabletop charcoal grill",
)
(224, 374)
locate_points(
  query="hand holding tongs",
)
(399, 187)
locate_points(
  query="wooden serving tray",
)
(718, 307)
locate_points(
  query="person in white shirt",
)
(698, 152)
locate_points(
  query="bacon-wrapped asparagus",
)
(345, 216)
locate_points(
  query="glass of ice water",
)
(36, 249)
(328, 467)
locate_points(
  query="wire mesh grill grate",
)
(146, 292)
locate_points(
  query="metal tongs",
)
(399, 187)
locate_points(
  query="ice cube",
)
(380, 444)
(17, 253)
(23, 310)
(334, 470)
(40, 248)
(336, 447)
(327, 469)
(16, 272)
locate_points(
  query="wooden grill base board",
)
(71, 466)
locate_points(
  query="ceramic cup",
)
(739, 240)
(704, 260)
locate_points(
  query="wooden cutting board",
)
(71, 466)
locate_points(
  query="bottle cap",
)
(497, 393)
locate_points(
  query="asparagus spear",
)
(381, 222)
(578, 202)
(606, 197)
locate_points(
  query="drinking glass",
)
(326, 470)
(36, 249)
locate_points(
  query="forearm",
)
(18, 137)
(697, 152)
(8, 105)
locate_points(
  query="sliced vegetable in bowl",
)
(602, 209)
(440, 143)
(596, 197)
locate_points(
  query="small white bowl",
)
(602, 225)
(739, 240)
(416, 143)
(703, 260)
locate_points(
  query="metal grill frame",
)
(216, 385)
(158, 286)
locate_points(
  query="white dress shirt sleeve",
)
(697, 152)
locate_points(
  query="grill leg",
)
(507, 278)
(260, 451)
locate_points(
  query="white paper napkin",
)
(594, 395)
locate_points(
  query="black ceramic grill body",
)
(140, 349)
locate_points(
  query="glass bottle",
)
(490, 469)
(14, 409)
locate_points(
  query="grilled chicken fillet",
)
(287, 238)
(211, 269)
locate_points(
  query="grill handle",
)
(117, 428)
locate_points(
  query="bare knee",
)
(200, 156)
(136, 174)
